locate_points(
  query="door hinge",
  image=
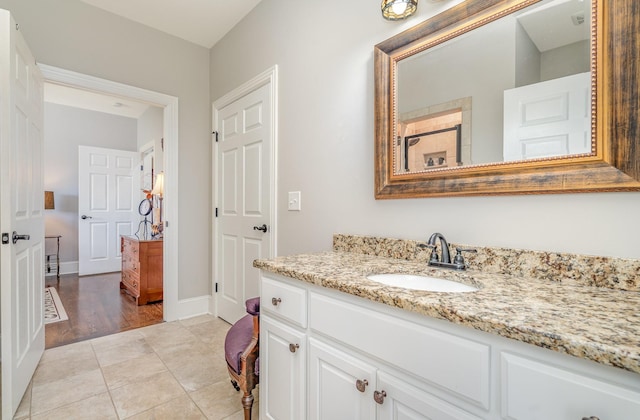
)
(216, 133)
(216, 287)
(5, 238)
(216, 212)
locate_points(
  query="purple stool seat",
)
(238, 339)
(241, 351)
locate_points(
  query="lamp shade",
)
(49, 203)
(158, 187)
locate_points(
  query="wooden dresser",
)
(141, 269)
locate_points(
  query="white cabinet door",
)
(403, 401)
(534, 390)
(282, 371)
(340, 385)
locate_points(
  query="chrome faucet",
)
(445, 261)
(444, 245)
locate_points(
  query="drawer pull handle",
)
(275, 301)
(361, 384)
(378, 396)
(293, 347)
(591, 418)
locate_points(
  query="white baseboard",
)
(188, 308)
(69, 267)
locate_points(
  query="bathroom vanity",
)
(336, 345)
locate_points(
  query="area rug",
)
(53, 309)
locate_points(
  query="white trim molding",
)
(170, 164)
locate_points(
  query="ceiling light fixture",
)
(398, 9)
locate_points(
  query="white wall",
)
(325, 61)
(150, 130)
(66, 128)
(72, 35)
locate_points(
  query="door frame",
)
(268, 77)
(170, 165)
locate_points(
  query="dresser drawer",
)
(457, 364)
(285, 300)
(132, 282)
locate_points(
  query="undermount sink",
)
(419, 282)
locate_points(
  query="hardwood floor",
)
(96, 307)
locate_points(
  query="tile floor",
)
(172, 370)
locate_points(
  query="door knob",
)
(263, 228)
(84, 216)
(15, 237)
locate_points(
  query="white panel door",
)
(546, 119)
(21, 214)
(108, 198)
(243, 196)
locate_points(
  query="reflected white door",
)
(243, 170)
(108, 198)
(21, 211)
(551, 118)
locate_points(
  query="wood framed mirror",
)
(414, 159)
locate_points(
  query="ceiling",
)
(568, 18)
(78, 98)
(203, 22)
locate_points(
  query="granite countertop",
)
(594, 323)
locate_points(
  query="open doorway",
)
(155, 132)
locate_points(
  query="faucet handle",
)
(459, 259)
(434, 254)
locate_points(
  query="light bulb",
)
(399, 8)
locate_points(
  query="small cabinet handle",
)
(275, 301)
(591, 418)
(293, 347)
(378, 396)
(361, 384)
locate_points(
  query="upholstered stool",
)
(241, 348)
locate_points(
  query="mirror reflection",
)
(518, 88)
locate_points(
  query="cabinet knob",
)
(378, 396)
(293, 347)
(591, 418)
(361, 384)
(275, 301)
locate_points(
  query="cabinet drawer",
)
(535, 390)
(285, 300)
(445, 360)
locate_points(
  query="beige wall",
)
(73, 35)
(324, 51)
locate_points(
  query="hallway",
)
(96, 307)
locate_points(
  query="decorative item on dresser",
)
(142, 269)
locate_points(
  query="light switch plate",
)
(294, 201)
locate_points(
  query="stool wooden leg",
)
(247, 404)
